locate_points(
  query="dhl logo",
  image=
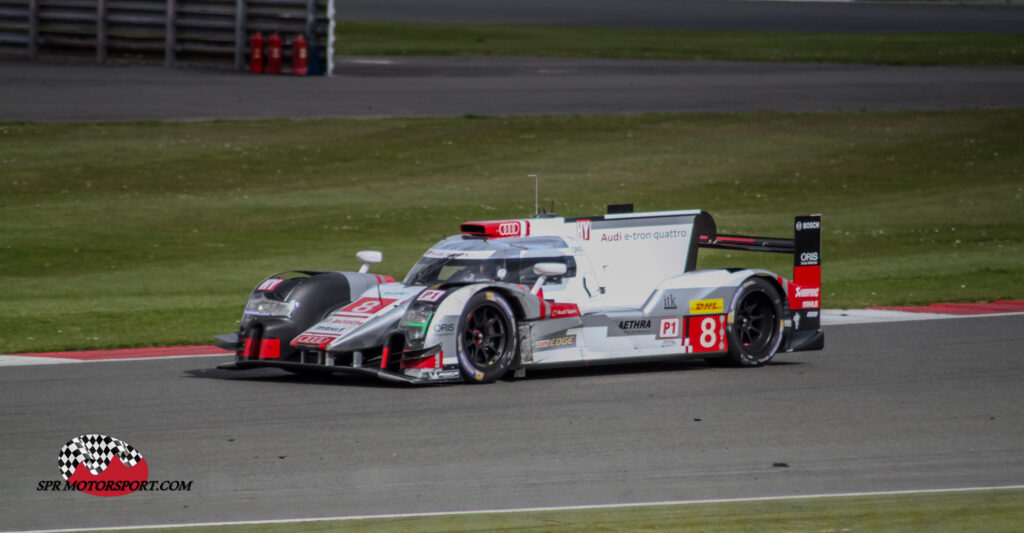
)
(707, 307)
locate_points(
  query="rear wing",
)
(805, 244)
(804, 293)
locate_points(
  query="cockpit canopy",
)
(470, 259)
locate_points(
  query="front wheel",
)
(486, 338)
(755, 323)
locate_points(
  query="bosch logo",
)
(507, 229)
(810, 224)
(809, 257)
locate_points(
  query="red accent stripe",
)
(131, 353)
(998, 306)
(563, 310)
(384, 357)
(270, 348)
(734, 239)
(429, 361)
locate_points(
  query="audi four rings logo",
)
(509, 228)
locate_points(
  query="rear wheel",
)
(755, 323)
(486, 338)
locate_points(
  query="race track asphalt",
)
(909, 405)
(371, 87)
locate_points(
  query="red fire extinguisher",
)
(256, 53)
(299, 55)
(274, 54)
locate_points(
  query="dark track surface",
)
(855, 17)
(913, 405)
(431, 86)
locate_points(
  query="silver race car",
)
(508, 295)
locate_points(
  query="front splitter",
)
(321, 369)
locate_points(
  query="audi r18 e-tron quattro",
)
(505, 296)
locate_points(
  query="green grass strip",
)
(991, 511)
(142, 234)
(387, 38)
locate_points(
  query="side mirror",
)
(369, 257)
(544, 270)
(549, 269)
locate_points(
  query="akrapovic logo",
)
(808, 258)
(808, 293)
(810, 224)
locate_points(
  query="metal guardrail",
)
(178, 30)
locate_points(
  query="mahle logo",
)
(102, 466)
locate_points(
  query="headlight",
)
(415, 322)
(263, 306)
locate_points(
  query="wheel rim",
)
(484, 337)
(755, 323)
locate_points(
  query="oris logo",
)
(809, 258)
(510, 229)
(810, 224)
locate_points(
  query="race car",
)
(504, 296)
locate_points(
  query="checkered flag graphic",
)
(96, 452)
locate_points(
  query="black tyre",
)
(486, 338)
(755, 323)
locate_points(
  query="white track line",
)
(524, 510)
(841, 317)
(20, 360)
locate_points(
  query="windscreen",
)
(430, 270)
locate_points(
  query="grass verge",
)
(994, 511)
(138, 234)
(387, 38)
